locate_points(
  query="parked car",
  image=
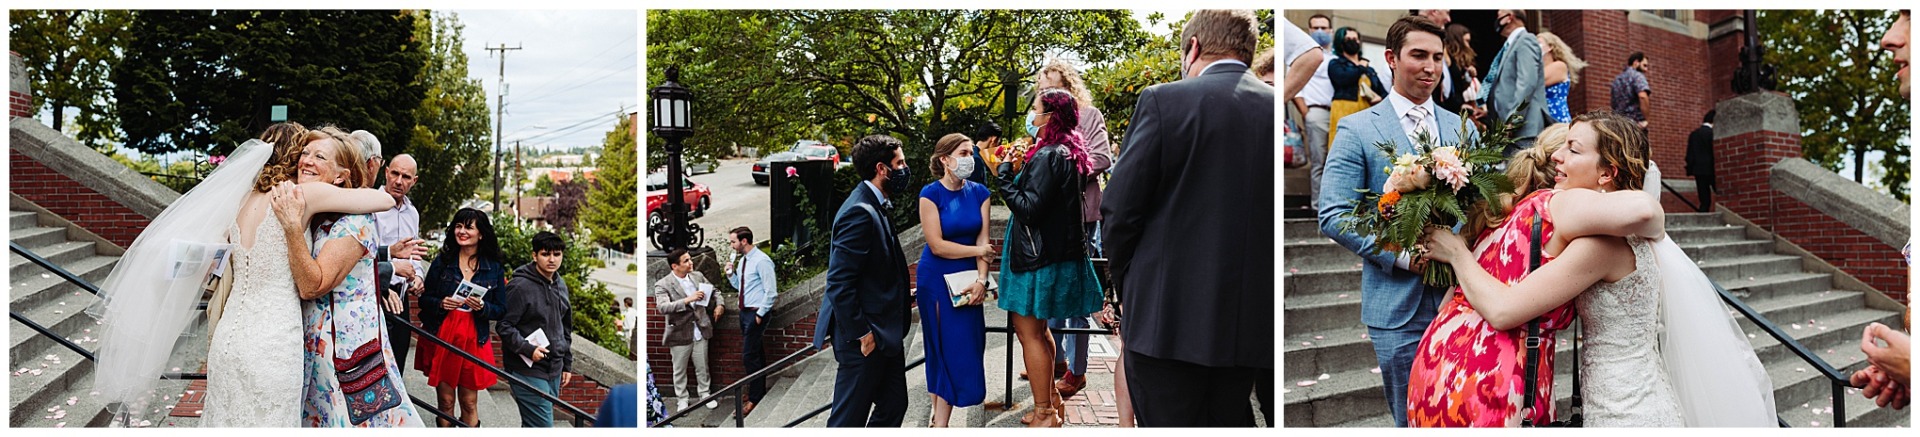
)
(815, 150)
(697, 196)
(760, 168)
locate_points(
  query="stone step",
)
(30, 395)
(21, 219)
(1841, 336)
(1341, 397)
(1307, 282)
(1321, 311)
(1300, 228)
(1319, 253)
(1330, 351)
(1704, 234)
(1694, 219)
(68, 320)
(1726, 249)
(1764, 287)
(37, 236)
(38, 289)
(1861, 413)
(61, 253)
(1752, 266)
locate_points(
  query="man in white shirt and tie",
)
(753, 276)
(1394, 304)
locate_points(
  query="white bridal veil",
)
(1714, 372)
(149, 299)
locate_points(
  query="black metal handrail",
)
(579, 415)
(739, 421)
(1834, 377)
(1676, 193)
(88, 355)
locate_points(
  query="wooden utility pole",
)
(499, 118)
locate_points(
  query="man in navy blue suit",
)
(865, 312)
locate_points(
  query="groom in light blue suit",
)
(1394, 305)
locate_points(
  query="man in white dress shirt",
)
(393, 226)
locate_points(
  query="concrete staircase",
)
(1323, 334)
(46, 375)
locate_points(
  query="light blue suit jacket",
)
(1389, 296)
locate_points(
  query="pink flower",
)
(793, 172)
(216, 160)
(1448, 167)
(1407, 179)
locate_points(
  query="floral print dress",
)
(1467, 374)
(358, 321)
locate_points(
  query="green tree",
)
(611, 201)
(542, 186)
(1117, 85)
(452, 134)
(207, 80)
(1843, 85)
(589, 299)
(68, 54)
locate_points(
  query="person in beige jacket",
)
(684, 297)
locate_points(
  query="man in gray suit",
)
(683, 297)
(1197, 185)
(1515, 78)
(1394, 305)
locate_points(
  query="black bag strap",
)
(1534, 353)
(1532, 357)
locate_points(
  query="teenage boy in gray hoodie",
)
(537, 301)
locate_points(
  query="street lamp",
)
(672, 120)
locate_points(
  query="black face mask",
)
(897, 179)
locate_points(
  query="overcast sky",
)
(575, 70)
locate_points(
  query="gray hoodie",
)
(537, 303)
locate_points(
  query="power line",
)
(578, 126)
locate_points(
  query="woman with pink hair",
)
(1044, 270)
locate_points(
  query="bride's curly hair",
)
(288, 139)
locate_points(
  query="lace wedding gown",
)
(254, 365)
(1626, 383)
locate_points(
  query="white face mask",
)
(962, 167)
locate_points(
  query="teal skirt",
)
(1056, 291)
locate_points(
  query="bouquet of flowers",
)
(1433, 185)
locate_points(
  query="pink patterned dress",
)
(1467, 374)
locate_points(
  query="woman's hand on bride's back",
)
(289, 205)
(1442, 245)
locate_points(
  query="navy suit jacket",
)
(1389, 296)
(1189, 218)
(866, 280)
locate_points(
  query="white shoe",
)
(713, 404)
(683, 405)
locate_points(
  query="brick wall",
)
(19, 100)
(1745, 165)
(1682, 74)
(74, 201)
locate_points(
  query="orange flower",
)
(1388, 200)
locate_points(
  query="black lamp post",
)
(672, 120)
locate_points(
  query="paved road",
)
(737, 201)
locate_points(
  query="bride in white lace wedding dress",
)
(254, 364)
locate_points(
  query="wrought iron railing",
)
(1837, 381)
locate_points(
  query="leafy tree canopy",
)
(1843, 84)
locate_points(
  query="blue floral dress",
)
(1557, 101)
(358, 321)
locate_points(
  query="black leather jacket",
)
(1045, 203)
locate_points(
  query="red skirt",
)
(444, 366)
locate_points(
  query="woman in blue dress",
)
(953, 215)
(1562, 70)
(1045, 272)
